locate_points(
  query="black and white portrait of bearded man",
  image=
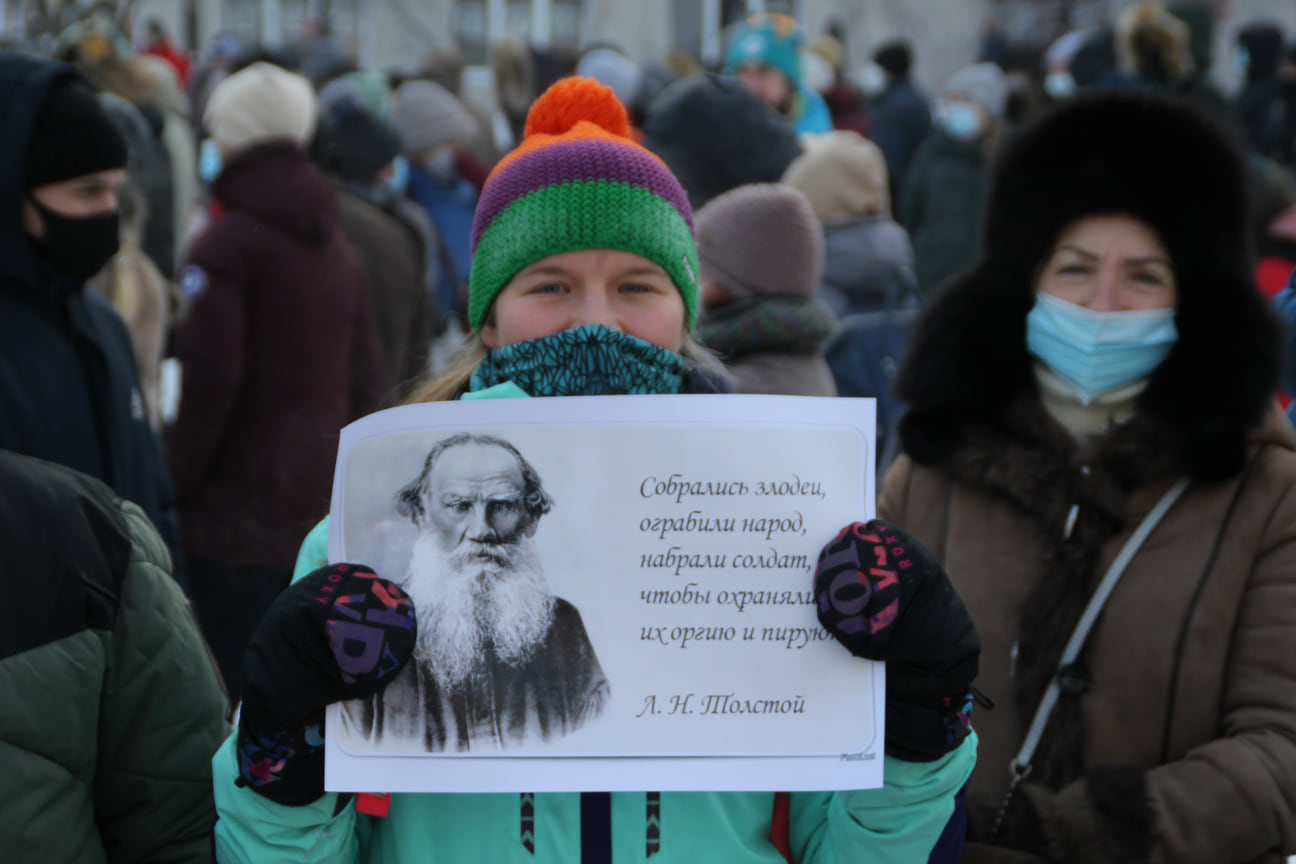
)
(499, 658)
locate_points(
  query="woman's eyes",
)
(548, 288)
(623, 288)
(1147, 278)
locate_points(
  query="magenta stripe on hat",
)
(572, 160)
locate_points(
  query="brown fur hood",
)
(967, 365)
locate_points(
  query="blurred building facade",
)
(400, 33)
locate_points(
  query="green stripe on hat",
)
(584, 214)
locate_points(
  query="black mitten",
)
(340, 633)
(883, 596)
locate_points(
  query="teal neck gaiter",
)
(593, 360)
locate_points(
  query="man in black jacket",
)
(69, 390)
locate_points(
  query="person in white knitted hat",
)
(259, 104)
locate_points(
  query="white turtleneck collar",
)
(1085, 420)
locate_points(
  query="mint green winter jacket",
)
(900, 822)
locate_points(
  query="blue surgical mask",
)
(961, 121)
(400, 175)
(873, 81)
(209, 161)
(1059, 86)
(1097, 352)
(441, 164)
(593, 360)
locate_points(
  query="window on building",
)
(732, 12)
(243, 20)
(517, 19)
(565, 16)
(292, 19)
(474, 29)
(470, 29)
(344, 23)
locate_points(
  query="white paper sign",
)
(613, 593)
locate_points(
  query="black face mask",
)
(78, 247)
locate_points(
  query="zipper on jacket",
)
(1074, 512)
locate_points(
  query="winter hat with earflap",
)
(259, 104)
(771, 38)
(1228, 339)
(577, 181)
(761, 240)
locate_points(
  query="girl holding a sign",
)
(585, 282)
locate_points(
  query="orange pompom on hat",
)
(577, 181)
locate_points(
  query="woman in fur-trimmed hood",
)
(1031, 457)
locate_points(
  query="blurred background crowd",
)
(276, 203)
(860, 135)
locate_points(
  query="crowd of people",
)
(1063, 277)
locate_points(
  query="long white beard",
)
(465, 603)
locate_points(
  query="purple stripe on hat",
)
(572, 160)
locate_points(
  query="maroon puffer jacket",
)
(278, 354)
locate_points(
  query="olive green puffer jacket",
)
(111, 706)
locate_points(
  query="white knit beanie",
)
(259, 104)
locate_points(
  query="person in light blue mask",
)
(941, 205)
(1106, 360)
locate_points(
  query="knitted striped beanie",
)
(577, 181)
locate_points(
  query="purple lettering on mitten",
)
(885, 597)
(339, 633)
(361, 624)
(857, 585)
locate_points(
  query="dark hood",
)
(277, 183)
(24, 81)
(1264, 45)
(861, 255)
